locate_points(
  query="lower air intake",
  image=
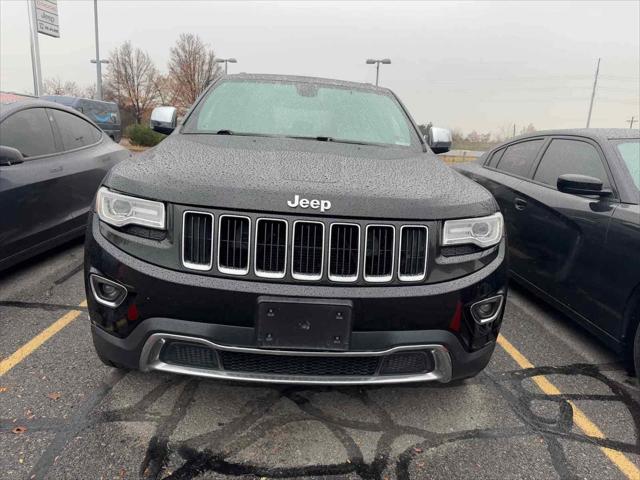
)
(189, 355)
(407, 363)
(299, 365)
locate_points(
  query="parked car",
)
(104, 114)
(52, 160)
(570, 202)
(295, 230)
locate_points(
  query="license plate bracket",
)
(303, 324)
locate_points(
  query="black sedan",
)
(52, 160)
(570, 200)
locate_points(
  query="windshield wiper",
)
(226, 131)
(319, 138)
(322, 138)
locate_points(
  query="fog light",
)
(107, 292)
(487, 310)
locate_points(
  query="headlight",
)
(481, 231)
(119, 210)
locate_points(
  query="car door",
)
(30, 192)
(83, 161)
(503, 174)
(565, 233)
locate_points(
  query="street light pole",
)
(35, 50)
(97, 60)
(371, 61)
(226, 61)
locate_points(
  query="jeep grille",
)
(301, 250)
(197, 240)
(271, 248)
(308, 250)
(233, 244)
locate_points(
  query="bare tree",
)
(131, 80)
(55, 86)
(192, 67)
(166, 90)
(89, 91)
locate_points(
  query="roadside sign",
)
(47, 17)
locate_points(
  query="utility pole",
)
(514, 129)
(593, 93)
(97, 60)
(35, 49)
(630, 122)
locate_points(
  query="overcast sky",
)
(481, 65)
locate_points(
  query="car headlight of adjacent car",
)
(119, 210)
(482, 231)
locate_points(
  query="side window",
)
(495, 158)
(519, 157)
(28, 131)
(74, 131)
(570, 156)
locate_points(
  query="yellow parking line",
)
(35, 343)
(626, 466)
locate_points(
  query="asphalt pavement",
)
(553, 403)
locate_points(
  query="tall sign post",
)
(43, 18)
(97, 60)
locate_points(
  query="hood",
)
(263, 174)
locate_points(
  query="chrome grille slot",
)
(378, 260)
(271, 248)
(234, 233)
(197, 240)
(308, 250)
(344, 250)
(412, 264)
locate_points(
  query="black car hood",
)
(263, 174)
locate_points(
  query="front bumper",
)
(165, 305)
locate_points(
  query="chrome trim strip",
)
(344, 278)
(234, 271)
(197, 266)
(150, 360)
(114, 304)
(304, 276)
(413, 278)
(378, 278)
(484, 321)
(266, 274)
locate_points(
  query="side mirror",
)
(164, 119)
(10, 156)
(439, 139)
(581, 185)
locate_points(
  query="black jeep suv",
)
(295, 230)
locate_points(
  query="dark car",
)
(570, 202)
(295, 230)
(52, 160)
(105, 115)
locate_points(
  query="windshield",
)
(630, 153)
(298, 109)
